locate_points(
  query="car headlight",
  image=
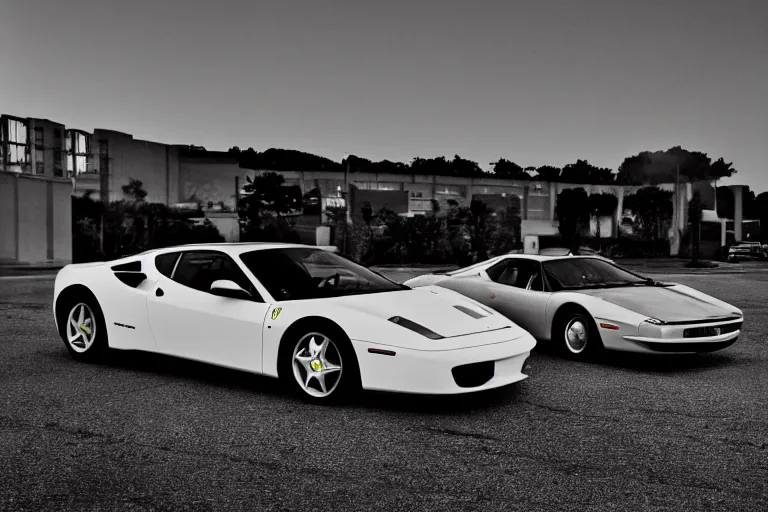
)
(654, 321)
(413, 326)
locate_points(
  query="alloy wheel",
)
(317, 365)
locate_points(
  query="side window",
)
(166, 262)
(495, 270)
(198, 270)
(519, 273)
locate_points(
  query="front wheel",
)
(321, 367)
(82, 328)
(576, 335)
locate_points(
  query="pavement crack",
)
(460, 433)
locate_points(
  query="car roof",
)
(236, 248)
(533, 257)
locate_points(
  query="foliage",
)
(131, 227)
(547, 173)
(283, 160)
(263, 208)
(653, 208)
(653, 168)
(584, 172)
(600, 205)
(134, 190)
(440, 166)
(644, 168)
(509, 170)
(571, 209)
(462, 236)
(761, 211)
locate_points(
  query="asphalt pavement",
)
(147, 432)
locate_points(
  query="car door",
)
(518, 293)
(188, 321)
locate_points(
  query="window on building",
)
(58, 170)
(17, 151)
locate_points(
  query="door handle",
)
(159, 292)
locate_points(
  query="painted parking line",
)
(28, 277)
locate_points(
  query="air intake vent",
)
(133, 266)
(474, 314)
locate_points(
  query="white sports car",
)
(323, 324)
(582, 304)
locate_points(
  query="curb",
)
(28, 277)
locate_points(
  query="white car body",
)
(662, 318)
(246, 334)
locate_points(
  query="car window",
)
(520, 273)
(199, 269)
(300, 273)
(166, 262)
(576, 273)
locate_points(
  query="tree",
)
(134, 190)
(601, 205)
(653, 168)
(694, 214)
(761, 210)
(584, 172)
(509, 170)
(571, 209)
(263, 207)
(286, 160)
(547, 173)
(653, 208)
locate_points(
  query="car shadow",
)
(238, 380)
(663, 363)
(188, 370)
(647, 363)
(464, 403)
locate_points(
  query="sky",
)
(539, 82)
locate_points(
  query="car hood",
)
(665, 303)
(431, 307)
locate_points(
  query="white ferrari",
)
(583, 304)
(325, 325)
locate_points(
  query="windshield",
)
(574, 273)
(299, 273)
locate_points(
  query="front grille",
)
(709, 331)
(473, 375)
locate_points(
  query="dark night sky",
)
(537, 82)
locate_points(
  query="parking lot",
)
(151, 433)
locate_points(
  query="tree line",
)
(644, 168)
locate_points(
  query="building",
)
(35, 194)
(102, 162)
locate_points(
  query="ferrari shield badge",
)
(276, 313)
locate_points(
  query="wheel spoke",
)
(323, 348)
(321, 380)
(330, 368)
(82, 315)
(314, 347)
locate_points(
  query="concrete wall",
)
(8, 222)
(35, 220)
(207, 180)
(154, 164)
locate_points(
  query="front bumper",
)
(682, 339)
(443, 372)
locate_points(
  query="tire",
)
(320, 366)
(575, 335)
(84, 336)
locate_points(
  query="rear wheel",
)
(320, 366)
(575, 335)
(82, 328)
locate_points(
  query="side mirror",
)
(229, 289)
